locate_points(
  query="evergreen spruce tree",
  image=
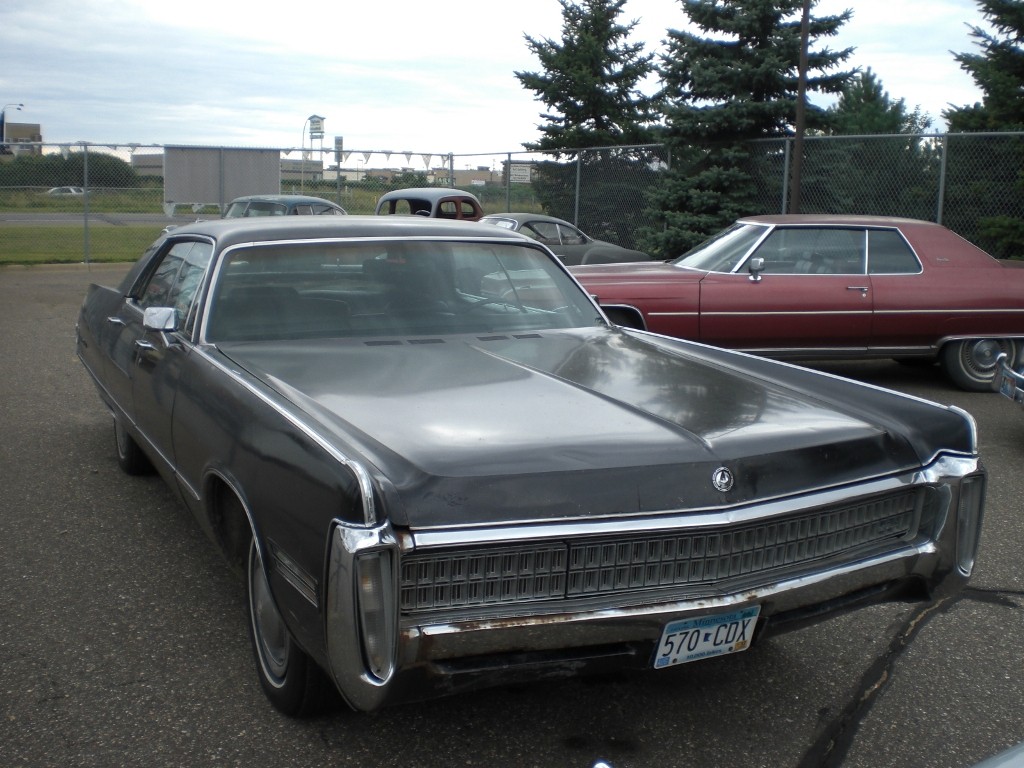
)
(865, 107)
(879, 162)
(734, 82)
(591, 86)
(981, 169)
(998, 70)
(591, 81)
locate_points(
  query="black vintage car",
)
(440, 467)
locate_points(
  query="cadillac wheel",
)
(971, 363)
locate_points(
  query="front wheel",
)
(971, 363)
(291, 680)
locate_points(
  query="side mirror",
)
(162, 320)
(756, 267)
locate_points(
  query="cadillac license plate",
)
(706, 636)
(1008, 388)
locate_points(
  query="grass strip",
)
(66, 244)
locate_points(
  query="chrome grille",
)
(505, 575)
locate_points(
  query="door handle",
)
(143, 344)
(114, 320)
(862, 288)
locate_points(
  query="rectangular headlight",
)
(376, 606)
(968, 526)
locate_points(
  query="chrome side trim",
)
(301, 581)
(958, 311)
(790, 312)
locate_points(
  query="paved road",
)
(183, 216)
(122, 632)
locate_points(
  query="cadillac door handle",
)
(862, 288)
(114, 320)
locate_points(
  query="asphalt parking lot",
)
(123, 641)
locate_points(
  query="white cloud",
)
(405, 76)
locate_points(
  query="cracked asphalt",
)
(122, 632)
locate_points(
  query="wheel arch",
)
(231, 526)
(625, 315)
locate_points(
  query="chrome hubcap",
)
(980, 356)
(268, 628)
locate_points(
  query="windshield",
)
(391, 288)
(725, 251)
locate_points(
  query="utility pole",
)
(801, 109)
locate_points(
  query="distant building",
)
(148, 164)
(21, 139)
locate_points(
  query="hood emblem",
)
(722, 479)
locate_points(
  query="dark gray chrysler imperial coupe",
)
(440, 467)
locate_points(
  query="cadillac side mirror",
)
(756, 267)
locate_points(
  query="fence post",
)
(579, 171)
(944, 145)
(508, 182)
(85, 200)
(785, 177)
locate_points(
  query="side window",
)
(176, 280)
(545, 231)
(324, 210)
(190, 280)
(813, 251)
(888, 253)
(571, 235)
(156, 290)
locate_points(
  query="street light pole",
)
(3, 119)
(316, 130)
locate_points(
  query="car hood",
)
(633, 273)
(568, 424)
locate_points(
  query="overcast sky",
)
(400, 76)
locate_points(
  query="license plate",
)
(1008, 387)
(706, 636)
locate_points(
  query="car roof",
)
(282, 199)
(521, 216)
(427, 193)
(242, 230)
(839, 219)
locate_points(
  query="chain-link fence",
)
(89, 202)
(971, 183)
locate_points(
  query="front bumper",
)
(1008, 382)
(403, 623)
